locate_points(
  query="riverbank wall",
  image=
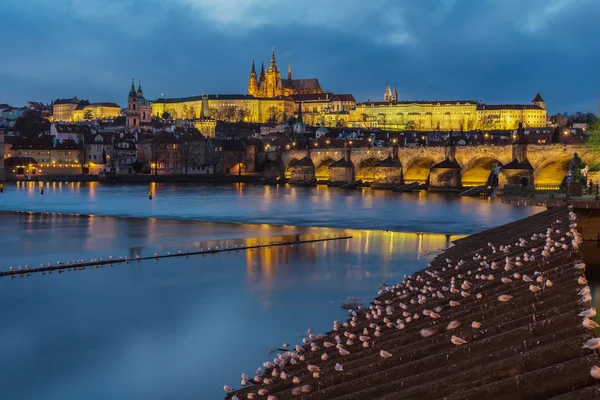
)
(498, 315)
(245, 178)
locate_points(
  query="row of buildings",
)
(68, 149)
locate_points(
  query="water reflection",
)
(143, 322)
(283, 205)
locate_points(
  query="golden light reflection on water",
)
(264, 265)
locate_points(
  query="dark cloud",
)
(493, 50)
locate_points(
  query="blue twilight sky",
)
(497, 51)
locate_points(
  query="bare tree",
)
(274, 114)
(83, 159)
(242, 113)
(155, 152)
(230, 112)
(190, 154)
(112, 157)
(382, 119)
(365, 118)
(215, 114)
(216, 154)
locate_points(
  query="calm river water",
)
(181, 328)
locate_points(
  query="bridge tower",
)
(303, 170)
(445, 175)
(342, 171)
(519, 170)
(388, 172)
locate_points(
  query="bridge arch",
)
(478, 171)
(418, 170)
(552, 171)
(290, 163)
(366, 169)
(322, 170)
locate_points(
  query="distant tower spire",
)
(132, 90)
(289, 72)
(273, 66)
(262, 71)
(253, 82)
(140, 93)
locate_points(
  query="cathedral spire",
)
(253, 69)
(273, 66)
(289, 72)
(262, 71)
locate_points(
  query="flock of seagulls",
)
(399, 306)
(99, 262)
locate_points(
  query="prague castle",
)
(269, 84)
(458, 115)
(273, 99)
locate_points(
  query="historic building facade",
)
(457, 115)
(228, 107)
(269, 83)
(62, 109)
(95, 111)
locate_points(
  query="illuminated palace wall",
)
(96, 111)
(227, 107)
(447, 115)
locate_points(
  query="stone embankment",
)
(500, 315)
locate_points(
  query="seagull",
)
(338, 367)
(588, 313)
(534, 288)
(592, 344)
(458, 341)
(476, 325)
(504, 298)
(595, 372)
(385, 354)
(227, 389)
(453, 325)
(589, 324)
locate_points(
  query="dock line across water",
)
(158, 256)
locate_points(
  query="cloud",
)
(541, 17)
(352, 17)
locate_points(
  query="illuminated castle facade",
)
(269, 83)
(457, 115)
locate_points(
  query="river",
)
(181, 328)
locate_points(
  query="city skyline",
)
(496, 52)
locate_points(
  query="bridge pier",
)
(342, 171)
(387, 173)
(303, 170)
(518, 169)
(445, 176)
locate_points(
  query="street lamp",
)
(565, 134)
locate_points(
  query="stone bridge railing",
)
(549, 161)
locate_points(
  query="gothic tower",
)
(253, 82)
(388, 95)
(273, 84)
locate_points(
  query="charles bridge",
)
(442, 168)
